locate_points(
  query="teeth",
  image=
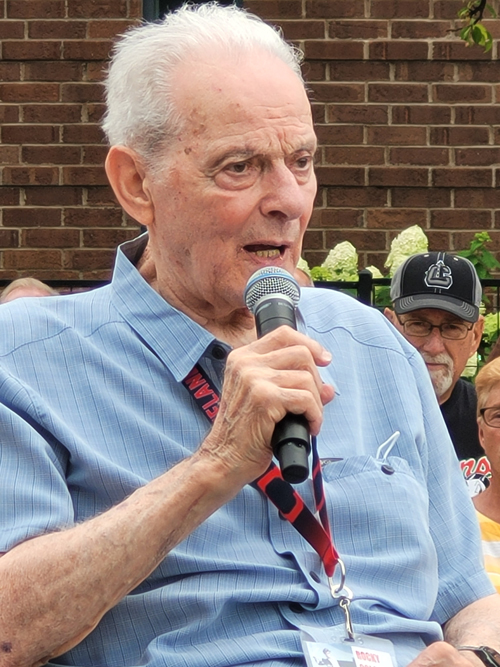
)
(268, 253)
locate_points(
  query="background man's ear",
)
(391, 315)
(130, 183)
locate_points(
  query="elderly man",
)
(134, 531)
(436, 298)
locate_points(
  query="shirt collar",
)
(173, 336)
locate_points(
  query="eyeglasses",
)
(491, 416)
(449, 330)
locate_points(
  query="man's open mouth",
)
(266, 251)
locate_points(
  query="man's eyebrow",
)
(246, 153)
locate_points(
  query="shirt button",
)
(296, 608)
(314, 576)
(218, 352)
(387, 469)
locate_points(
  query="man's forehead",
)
(432, 314)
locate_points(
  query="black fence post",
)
(365, 291)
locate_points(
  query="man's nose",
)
(433, 343)
(284, 197)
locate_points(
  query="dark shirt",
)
(459, 413)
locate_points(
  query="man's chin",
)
(441, 382)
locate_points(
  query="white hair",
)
(140, 110)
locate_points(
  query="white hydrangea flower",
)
(342, 261)
(470, 367)
(409, 242)
(375, 272)
(304, 266)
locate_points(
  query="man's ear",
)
(130, 183)
(477, 334)
(391, 315)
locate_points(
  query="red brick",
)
(351, 114)
(35, 134)
(390, 218)
(459, 136)
(315, 258)
(88, 260)
(318, 113)
(84, 176)
(424, 71)
(11, 29)
(339, 219)
(95, 112)
(87, 49)
(361, 239)
(328, 9)
(394, 135)
(86, 9)
(333, 50)
(473, 71)
(360, 71)
(106, 29)
(477, 198)
(314, 71)
(9, 238)
(29, 92)
(337, 92)
(419, 156)
(30, 175)
(51, 155)
(445, 9)
(421, 197)
(457, 50)
(421, 115)
(82, 133)
(9, 113)
(339, 134)
(360, 155)
(460, 219)
(481, 157)
(81, 92)
(53, 71)
(386, 50)
(53, 196)
(403, 176)
(393, 9)
(52, 113)
(462, 177)
(92, 217)
(51, 238)
(397, 92)
(25, 216)
(32, 259)
(299, 30)
(419, 29)
(340, 175)
(357, 197)
(453, 94)
(57, 29)
(275, 9)
(358, 29)
(31, 50)
(438, 240)
(313, 240)
(107, 238)
(39, 9)
(101, 196)
(9, 155)
(94, 154)
(9, 196)
(480, 115)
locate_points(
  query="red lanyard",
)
(271, 483)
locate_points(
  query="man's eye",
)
(238, 167)
(452, 327)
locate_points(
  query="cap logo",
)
(439, 275)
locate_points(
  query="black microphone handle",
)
(290, 442)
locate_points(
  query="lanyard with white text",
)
(278, 491)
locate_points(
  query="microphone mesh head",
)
(271, 280)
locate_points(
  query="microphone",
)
(271, 295)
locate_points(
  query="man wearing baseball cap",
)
(436, 298)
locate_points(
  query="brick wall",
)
(58, 216)
(407, 118)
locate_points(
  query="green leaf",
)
(491, 11)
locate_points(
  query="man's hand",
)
(442, 654)
(263, 381)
